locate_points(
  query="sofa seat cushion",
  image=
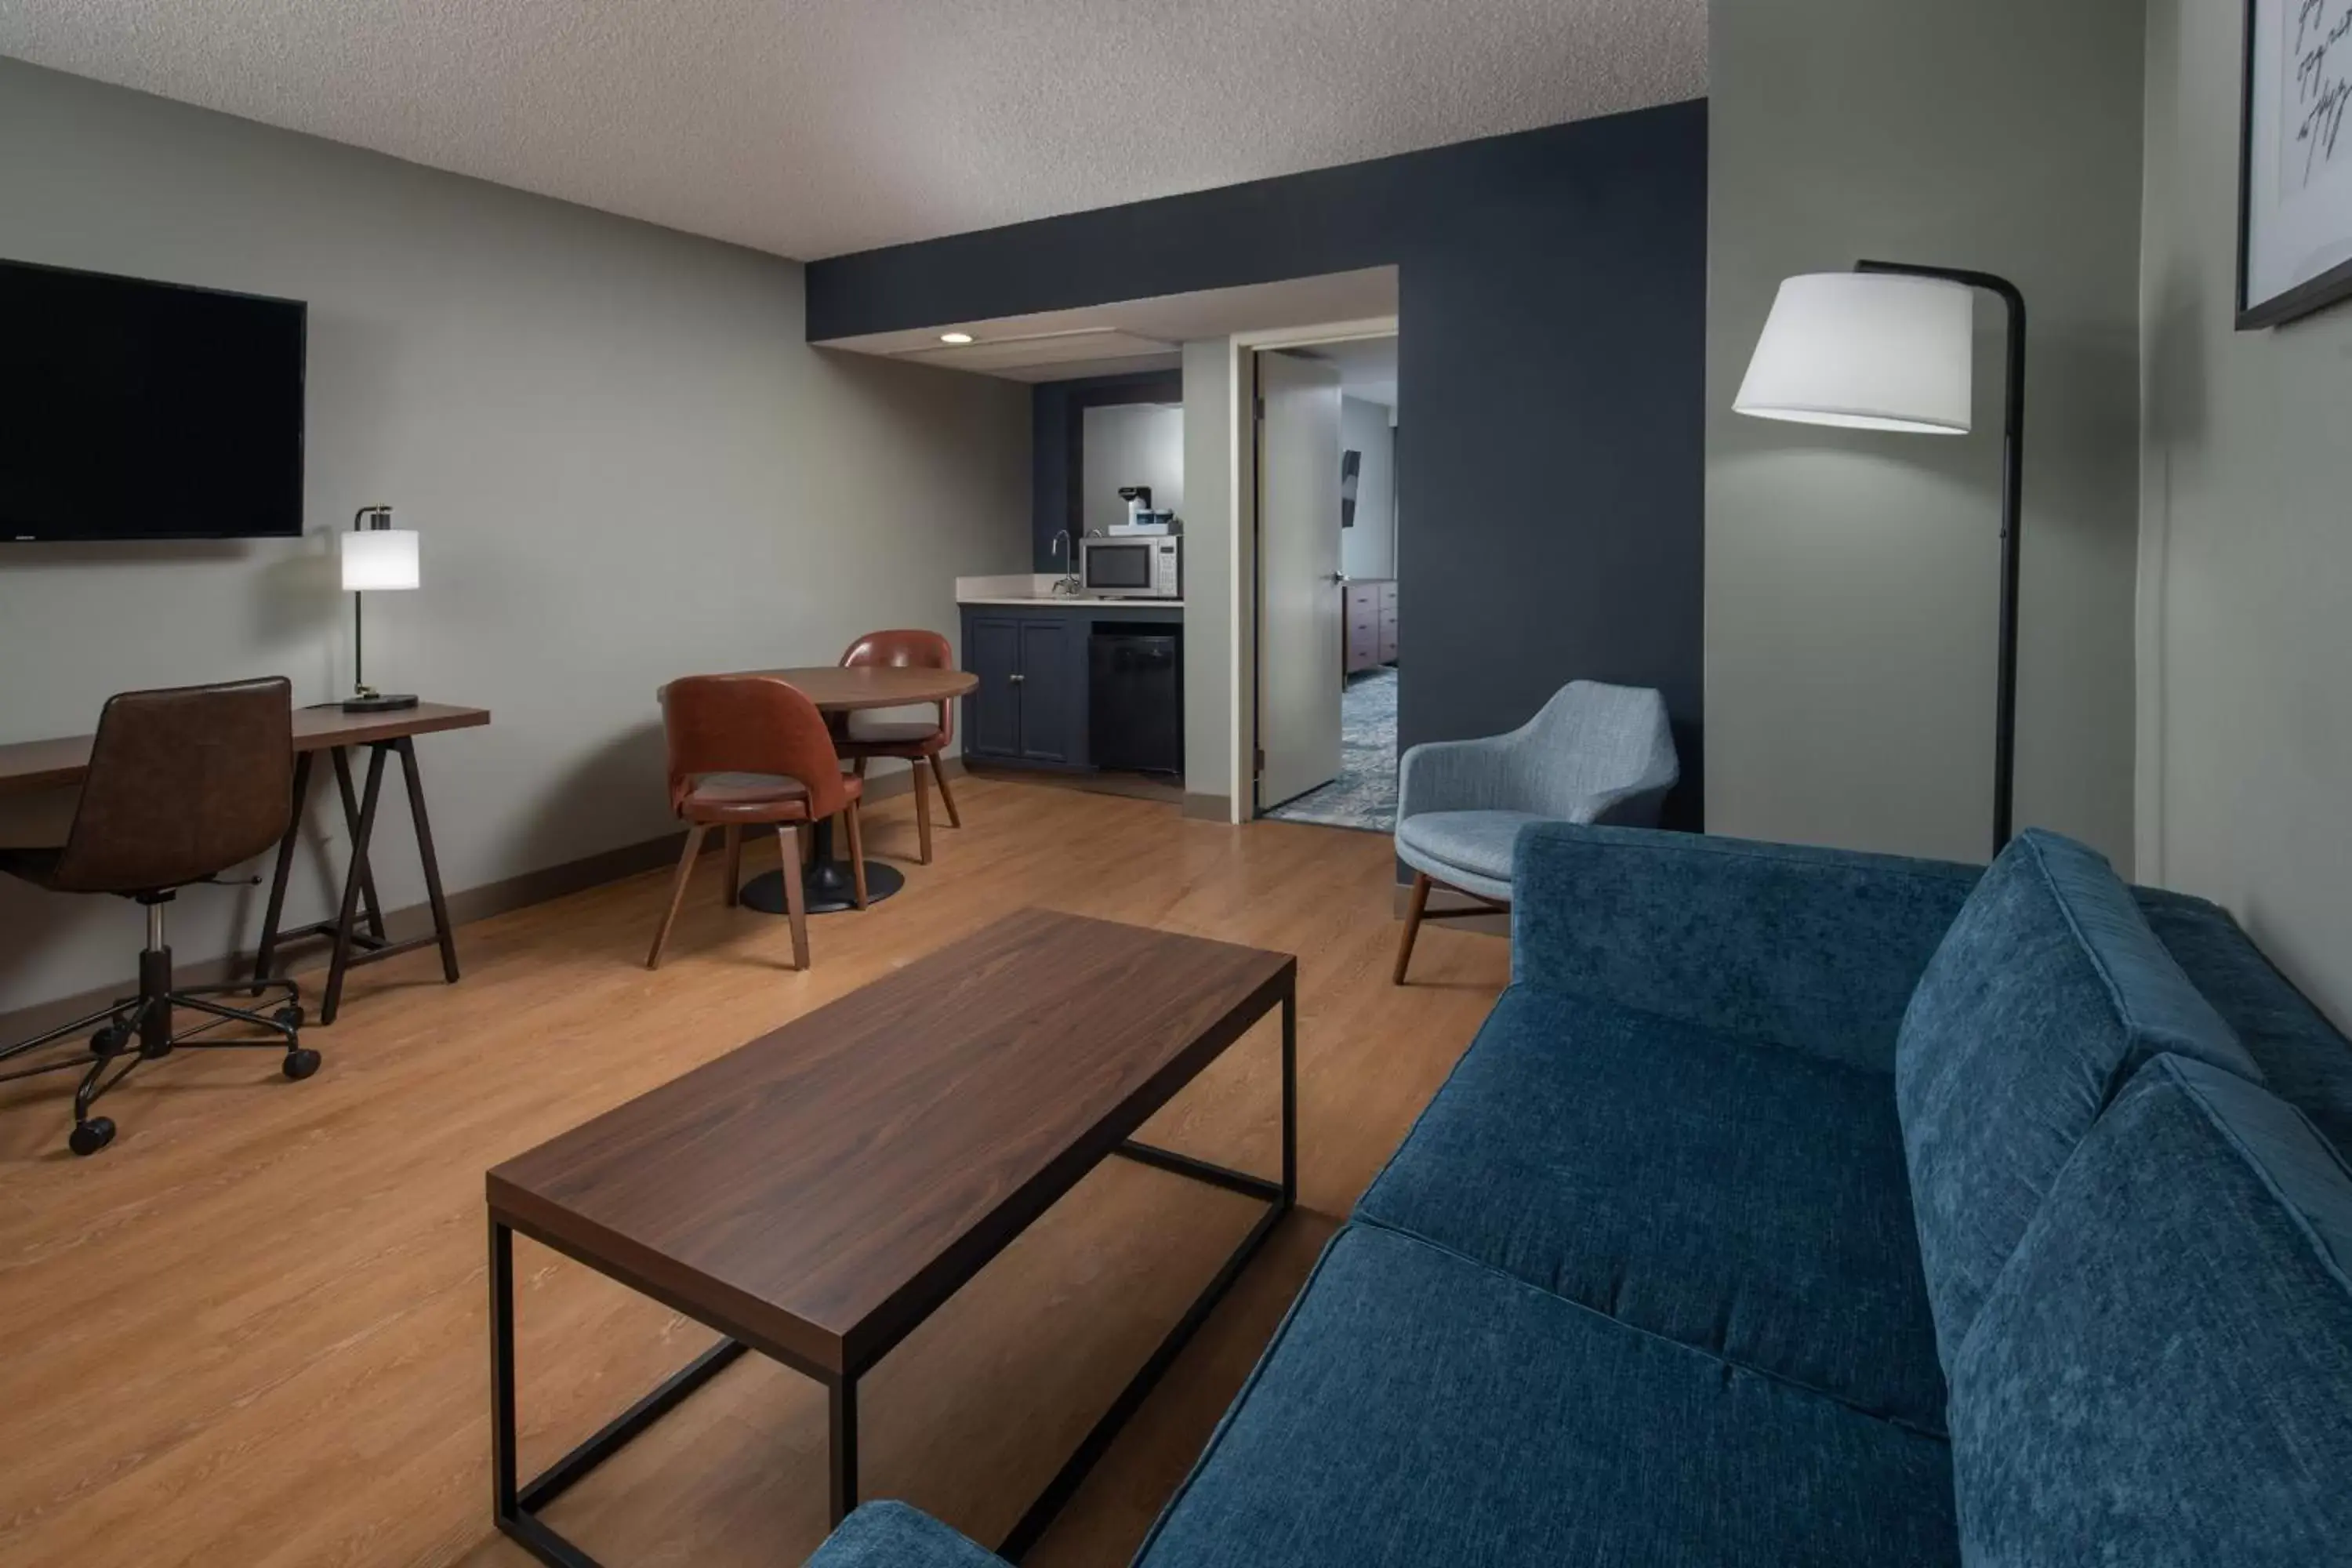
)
(2047, 995)
(1740, 1198)
(1468, 849)
(2165, 1368)
(1419, 1408)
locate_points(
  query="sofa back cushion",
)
(2046, 996)
(2163, 1374)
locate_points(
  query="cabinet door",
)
(1052, 693)
(992, 714)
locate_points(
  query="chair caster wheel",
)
(89, 1137)
(300, 1064)
(290, 1015)
(109, 1040)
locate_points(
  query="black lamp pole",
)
(2013, 493)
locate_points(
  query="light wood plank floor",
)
(252, 1332)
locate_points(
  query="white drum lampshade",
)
(379, 558)
(1866, 351)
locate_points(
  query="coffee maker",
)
(1141, 521)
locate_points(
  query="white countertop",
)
(1037, 589)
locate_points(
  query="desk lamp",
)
(376, 556)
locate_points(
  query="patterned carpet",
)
(1364, 794)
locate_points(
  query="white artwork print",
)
(2317, 71)
(2299, 163)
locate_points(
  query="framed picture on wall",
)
(1351, 464)
(2295, 191)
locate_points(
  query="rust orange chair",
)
(752, 751)
(917, 742)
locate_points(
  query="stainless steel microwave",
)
(1151, 567)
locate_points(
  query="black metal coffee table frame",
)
(517, 1504)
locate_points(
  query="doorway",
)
(1327, 644)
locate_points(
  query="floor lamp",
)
(1891, 346)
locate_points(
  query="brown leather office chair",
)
(183, 785)
(752, 750)
(916, 741)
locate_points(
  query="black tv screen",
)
(136, 410)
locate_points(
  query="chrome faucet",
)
(1065, 551)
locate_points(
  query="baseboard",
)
(465, 905)
(1208, 808)
(1489, 922)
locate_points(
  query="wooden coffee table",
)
(817, 1194)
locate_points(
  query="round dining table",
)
(838, 692)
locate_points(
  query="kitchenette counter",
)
(1035, 591)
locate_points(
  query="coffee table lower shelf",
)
(517, 1504)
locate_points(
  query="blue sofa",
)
(1796, 1207)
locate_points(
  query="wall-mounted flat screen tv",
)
(138, 410)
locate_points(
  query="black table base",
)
(827, 883)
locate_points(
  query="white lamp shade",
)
(377, 558)
(1871, 351)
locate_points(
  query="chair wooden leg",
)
(792, 841)
(1412, 923)
(733, 893)
(947, 795)
(922, 815)
(857, 855)
(676, 892)
(859, 767)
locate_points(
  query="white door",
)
(1298, 649)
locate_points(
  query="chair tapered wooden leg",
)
(922, 815)
(676, 892)
(857, 855)
(733, 893)
(1411, 922)
(947, 795)
(791, 842)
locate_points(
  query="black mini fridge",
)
(1135, 705)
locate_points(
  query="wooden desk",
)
(839, 691)
(28, 766)
(816, 1194)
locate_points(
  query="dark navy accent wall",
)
(1552, 298)
(1056, 412)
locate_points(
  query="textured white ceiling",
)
(813, 127)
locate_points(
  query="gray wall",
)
(2245, 733)
(1368, 548)
(1851, 587)
(625, 462)
(1210, 486)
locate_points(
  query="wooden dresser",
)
(1367, 623)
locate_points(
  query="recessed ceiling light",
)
(955, 337)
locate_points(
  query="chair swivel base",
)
(138, 1029)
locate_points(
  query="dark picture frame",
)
(1351, 464)
(2330, 84)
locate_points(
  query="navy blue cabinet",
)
(1030, 706)
(992, 713)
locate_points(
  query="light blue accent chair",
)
(1595, 754)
